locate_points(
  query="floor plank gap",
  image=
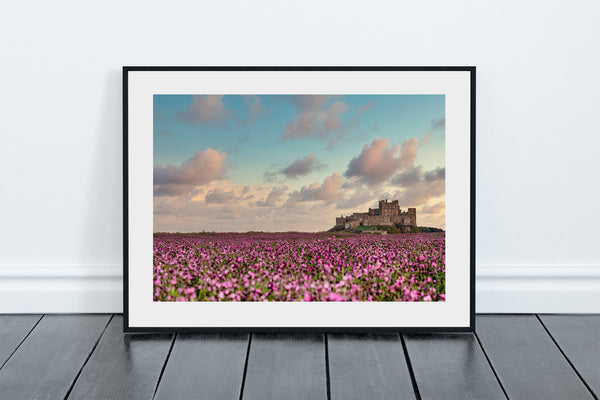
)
(566, 358)
(21, 342)
(491, 366)
(410, 369)
(245, 366)
(526, 360)
(87, 359)
(162, 371)
(286, 366)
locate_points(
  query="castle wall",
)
(387, 214)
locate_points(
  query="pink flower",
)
(334, 297)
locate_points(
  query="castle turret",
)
(412, 217)
(388, 207)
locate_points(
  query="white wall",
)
(538, 137)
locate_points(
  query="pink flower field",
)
(299, 267)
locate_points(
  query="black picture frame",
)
(127, 70)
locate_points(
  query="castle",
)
(388, 213)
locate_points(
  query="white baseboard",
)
(538, 289)
(47, 289)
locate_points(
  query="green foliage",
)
(387, 228)
(392, 229)
(427, 229)
(366, 228)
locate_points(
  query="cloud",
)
(328, 191)
(437, 174)
(219, 196)
(274, 195)
(179, 214)
(432, 215)
(253, 109)
(229, 212)
(421, 192)
(172, 189)
(271, 175)
(233, 149)
(409, 177)
(301, 126)
(438, 123)
(202, 168)
(365, 107)
(203, 109)
(299, 167)
(358, 198)
(302, 166)
(315, 119)
(437, 208)
(419, 195)
(211, 110)
(309, 102)
(376, 163)
(426, 139)
(315, 123)
(230, 207)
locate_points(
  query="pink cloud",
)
(309, 102)
(314, 122)
(202, 168)
(378, 162)
(208, 108)
(426, 139)
(328, 191)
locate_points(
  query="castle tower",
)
(389, 207)
(412, 217)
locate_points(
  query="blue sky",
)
(217, 159)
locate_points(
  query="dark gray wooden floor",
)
(510, 356)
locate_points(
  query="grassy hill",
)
(387, 228)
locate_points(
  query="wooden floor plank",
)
(123, 366)
(579, 338)
(451, 366)
(13, 329)
(204, 366)
(46, 364)
(286, 366)
(526, 360)
(368, 366)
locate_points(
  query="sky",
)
(237, 163)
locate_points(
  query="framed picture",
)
(299, 198)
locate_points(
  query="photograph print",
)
(299, 197)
